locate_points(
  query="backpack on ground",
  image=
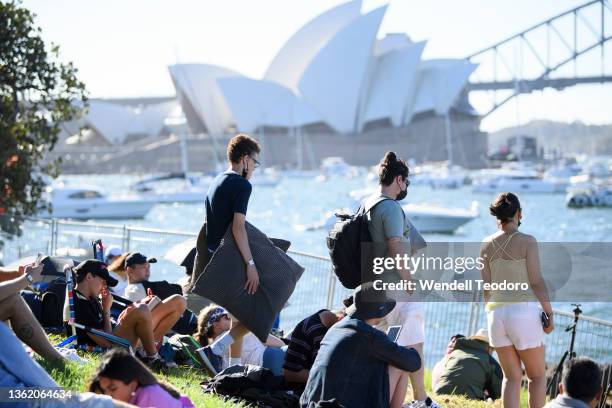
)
(185, 347)
(344, 242)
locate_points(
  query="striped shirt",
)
(305, 341)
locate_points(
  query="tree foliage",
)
(38, 93)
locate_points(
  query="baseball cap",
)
(370, 303)
(136, 258)
(112, 250)
(96, 268)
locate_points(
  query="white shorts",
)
(411, 316)
(517, 325)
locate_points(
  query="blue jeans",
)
(273, 359)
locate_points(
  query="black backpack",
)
(345, 249)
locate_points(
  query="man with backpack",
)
(392, 235)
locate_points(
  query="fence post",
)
(54, 232)
(331, 287)
(128, 236)
(124, 239)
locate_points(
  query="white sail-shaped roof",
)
(198, 82)
(392, 86)
(440, 83)
(334, 81)
(150, 120)
(292, 60)
(257, 103)
(110, 120)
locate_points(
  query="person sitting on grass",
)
(354, 361)
(470, 370)
(581, 385)
(137, 324)
(16, 311)
(214, 320)
(126, 379)
(304, 344)
(116, 269)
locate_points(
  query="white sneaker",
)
(71, 355)
(427, 403)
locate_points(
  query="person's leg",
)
(14, 309)
(273, 359)
(535, 368)
(417, 378)
(398, 384)
(137, 326)
(511, 366)
(166, 314)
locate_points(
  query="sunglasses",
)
(257, 164)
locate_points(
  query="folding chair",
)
(116, 340)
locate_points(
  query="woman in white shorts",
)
(514, 318)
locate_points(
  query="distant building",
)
(332, 79)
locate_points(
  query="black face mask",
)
(402, 194)
(519, 223)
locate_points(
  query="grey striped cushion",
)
(224, 277)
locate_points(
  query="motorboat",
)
(89, 202)
(589, 197)
(516, 181)
(337, 167)
(425, 217)
(173, 188)
(437, 219)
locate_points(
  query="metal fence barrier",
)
(317, 289)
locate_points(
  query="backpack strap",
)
(362, 209)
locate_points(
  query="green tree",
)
(37, 94)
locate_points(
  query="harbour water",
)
(280, 211)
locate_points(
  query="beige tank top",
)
(513, 273)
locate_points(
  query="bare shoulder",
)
(526, 238)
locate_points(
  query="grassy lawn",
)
(77, 376)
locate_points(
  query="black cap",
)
(96, 268)
(370, 303)
(136, 258)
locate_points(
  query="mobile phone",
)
(545, 320)
(393, 332)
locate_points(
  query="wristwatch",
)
(251, 262)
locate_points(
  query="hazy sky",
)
(123, 47)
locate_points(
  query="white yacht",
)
(425, 217)
(337, 167)
(516, 181)
(88, 202)
(173, 188)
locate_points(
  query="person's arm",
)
(242, 242)
(393, 228)
(274, 341)
(485, 272)
(536, 281)
(401, 357)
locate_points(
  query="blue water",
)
(277, 211)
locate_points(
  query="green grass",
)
(77, 376)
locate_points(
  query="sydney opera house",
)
(334, 89)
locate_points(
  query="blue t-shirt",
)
(228, 194)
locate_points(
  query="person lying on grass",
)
(137, 324)
(126, 379)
